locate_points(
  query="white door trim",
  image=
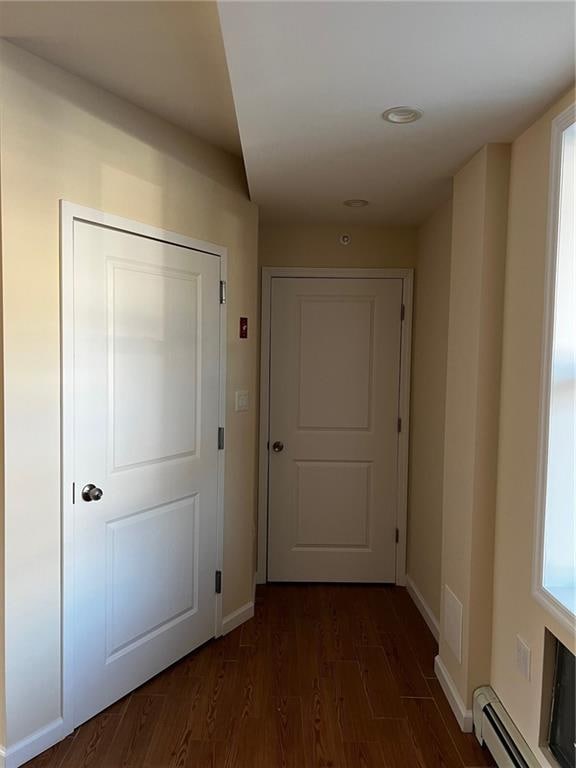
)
(268, 273)
(69, 213)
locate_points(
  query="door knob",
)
(277, 447)
(91, 493)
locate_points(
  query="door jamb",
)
(69, 213)
(407, 277)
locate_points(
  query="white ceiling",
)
(166, 57)
(310, 80)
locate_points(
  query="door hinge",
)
(399, 424)
(73, 493)
(397, 535)
(220, 438)
(218, 582)
(402, 312)
(222, 291)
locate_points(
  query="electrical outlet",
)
(523, 654)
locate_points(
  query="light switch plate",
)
(523, 655)
(241, 401)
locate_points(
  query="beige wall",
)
(515, 610)
(429, 354)
(296, 245)
(63, 138)
(472, 400)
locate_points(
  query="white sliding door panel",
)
(334, 388)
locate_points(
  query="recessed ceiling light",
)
(402, 115)
(356, 203)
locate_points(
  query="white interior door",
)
(334, 403)
(146, 405)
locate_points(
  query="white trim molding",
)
(464, 717)
(240, 615)
(222, 454)
(407, 277)
(39, 741)
(563, 121)
(237, 617)
(425, 610)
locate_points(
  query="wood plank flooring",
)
(324, 676)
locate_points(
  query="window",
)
(556, 578)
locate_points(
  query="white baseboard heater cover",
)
(494, 728)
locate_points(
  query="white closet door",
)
(146, 382)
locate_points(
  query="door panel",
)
(139, 604)
(158, 346)
(333, 504)
(336, 347)
(334, 389)
(146, 381)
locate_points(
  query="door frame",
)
(69, 213)
(270, 273)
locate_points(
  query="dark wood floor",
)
(323, 676)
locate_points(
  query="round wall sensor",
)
(345, 239)
(402, 115)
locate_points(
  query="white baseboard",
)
(424, 608)
(464, 716)
(33, 745)
(46, 737)
(237, 617)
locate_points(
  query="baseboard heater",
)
(494, 728)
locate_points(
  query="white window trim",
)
(562, 614)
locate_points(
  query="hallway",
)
(324, 676)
